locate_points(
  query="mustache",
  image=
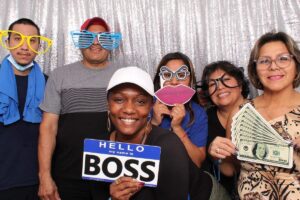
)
(24, 53)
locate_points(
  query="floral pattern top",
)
(264, 182)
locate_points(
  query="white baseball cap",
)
(132, 74)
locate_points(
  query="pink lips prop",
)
(170, 95)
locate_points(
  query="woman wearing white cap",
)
(130, 98)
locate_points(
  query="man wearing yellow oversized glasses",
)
(22, 85)
(12, 40)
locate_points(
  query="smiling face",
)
(129, 107)
(95, 55)
(224, 96)
(23, 55)
(274, 78)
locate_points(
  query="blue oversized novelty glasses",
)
(181, 74)
(84, 39)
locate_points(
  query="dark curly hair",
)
(228, 68)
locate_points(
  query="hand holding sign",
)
(124, 188)
(108, 161)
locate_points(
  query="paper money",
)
(258, 141)
(279, 155)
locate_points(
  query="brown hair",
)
(267, 38)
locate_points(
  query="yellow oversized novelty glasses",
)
(12, 39)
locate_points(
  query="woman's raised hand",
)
(159, 110)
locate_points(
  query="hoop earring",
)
(149, 117)
(108, 125)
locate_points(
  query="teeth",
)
(223, 94)
(275, 77)
(128, 120)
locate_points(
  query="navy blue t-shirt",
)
(18, 147)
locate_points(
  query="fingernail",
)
(141, 184)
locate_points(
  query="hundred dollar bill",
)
(258, 141)
(247, 135)
(256, 123)
(248, 115)
(280, 155)
(241, 128)
(248, 129)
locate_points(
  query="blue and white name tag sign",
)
(107, 161)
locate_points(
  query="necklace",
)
(147, 130)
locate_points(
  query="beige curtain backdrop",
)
(205, 30)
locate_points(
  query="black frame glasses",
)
(203, 86)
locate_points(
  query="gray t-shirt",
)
(76, 88)
(78, 95)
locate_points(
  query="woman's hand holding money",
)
(221, 148)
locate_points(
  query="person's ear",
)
(7, 42)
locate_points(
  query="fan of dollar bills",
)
(257, 141)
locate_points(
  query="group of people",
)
(44, 121)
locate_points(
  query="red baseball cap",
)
(94, 21)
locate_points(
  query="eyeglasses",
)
(208, 88)
(12, 39)
(282, 61)
(181, 74)
(84, 39)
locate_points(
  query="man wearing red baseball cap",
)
(94, 21)
(75, 109)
